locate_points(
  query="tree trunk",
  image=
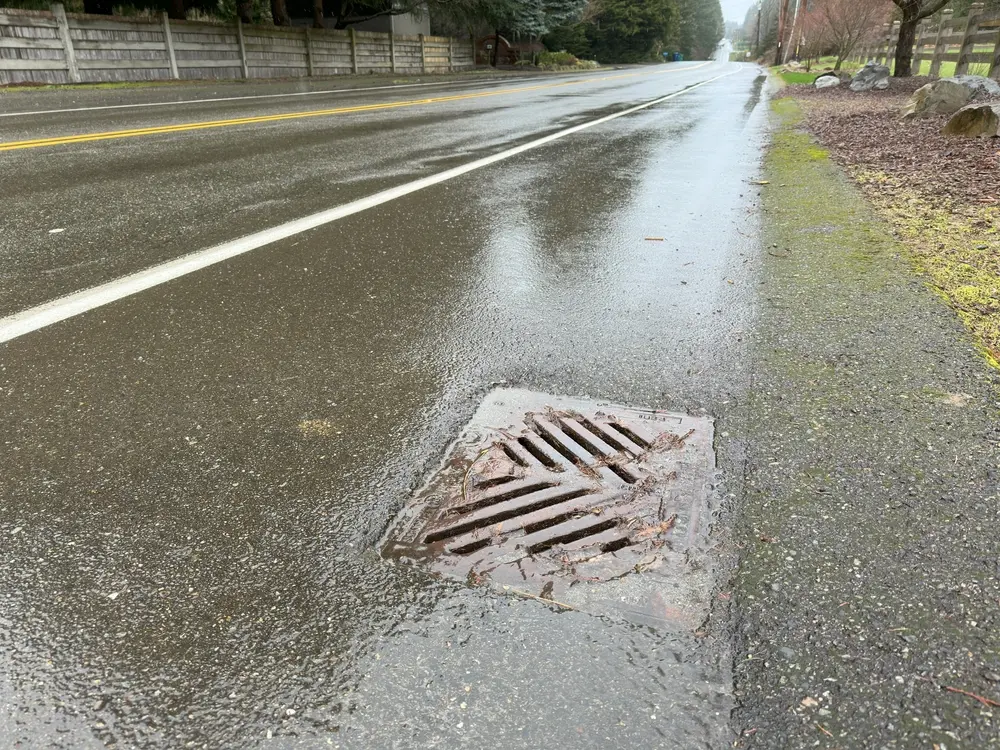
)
(176, 10)
(244, 9)
(840, 59)
(97, 7)
(904, 48)
(496, 47)
(279, 13)
(318, 14)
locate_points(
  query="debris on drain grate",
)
(543, 493)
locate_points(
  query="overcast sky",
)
(736, 10)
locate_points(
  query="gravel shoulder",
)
(868, 587)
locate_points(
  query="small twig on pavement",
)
(824, 730)
(981, 699)
(541, 599)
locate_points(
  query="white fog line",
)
(32, 319)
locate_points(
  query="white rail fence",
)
(58, 47)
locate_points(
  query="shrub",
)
(557, 59)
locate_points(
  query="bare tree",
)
(913, 12)
(845, 23)
(813, 37)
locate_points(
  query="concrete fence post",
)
(392, 52)
(310, 63)
(451, 54)
(423, 54)
(67, 41)
(940, 45)
(354, 50)
(243, 49)
(968, 43)
(168, 44)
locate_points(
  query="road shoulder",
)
(867, 590)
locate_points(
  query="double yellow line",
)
(204, 125)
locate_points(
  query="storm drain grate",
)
(547, 492)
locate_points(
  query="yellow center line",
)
(184, 127)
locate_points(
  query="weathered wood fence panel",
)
(57, 47)
(972, 43)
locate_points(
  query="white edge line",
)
(34, 318)
(487, 81)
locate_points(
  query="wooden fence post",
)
(168, 43)
(243, 49)
(883, 43)
(891, 43)
(968, 45)
(995, 63)
(940, 47)
(310, 65)
(67, 41)
(354, 50)
(392, 51)
(423, 55)
(918, 51)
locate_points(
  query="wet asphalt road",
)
(195, 478)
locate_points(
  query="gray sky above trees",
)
(735, 10)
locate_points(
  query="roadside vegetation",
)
(777, 32)
(940, 194)
(606, 31)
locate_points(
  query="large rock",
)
(980, 86)
(872, 76)
(827, 80)
(942, 97)
(975, 120)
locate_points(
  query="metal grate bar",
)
(494, 514)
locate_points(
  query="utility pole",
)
(782, 20)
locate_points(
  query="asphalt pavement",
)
(197, 475)
(240, 324)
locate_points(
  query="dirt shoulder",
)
(941, 195)
(868, 590)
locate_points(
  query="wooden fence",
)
(58, 47)
(970, 41)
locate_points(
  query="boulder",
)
(974, 120)
(980, 86)
(943, 97)
(872, 76)
(827, 80)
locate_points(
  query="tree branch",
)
(933, 8)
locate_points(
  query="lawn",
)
(947, 69)
(817, 67)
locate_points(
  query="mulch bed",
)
(864, 130)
